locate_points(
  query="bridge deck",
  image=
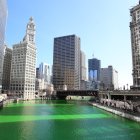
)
(64, 94)
(127, 93)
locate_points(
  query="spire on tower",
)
(31, 18)
(30, 31)
(93, 55)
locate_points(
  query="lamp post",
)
(127, 86)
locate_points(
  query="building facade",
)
(6, 69)
(43, 77)
(135, 44)
(83, 70)
(92, 85)
(37, 73)
(45, 72)
(3, 17)
(23, 67)
(109, 78)
(94, 66)
(40, 85)
(66, 62)
(83, 66)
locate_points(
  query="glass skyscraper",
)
(3, 16)
(45, 72)
(94, 66)
(66, 62)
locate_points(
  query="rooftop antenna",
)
(93, 55)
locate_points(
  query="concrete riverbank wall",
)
(117, 112)
(79, 98)
(8, 101)
(1, 104)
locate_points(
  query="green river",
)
(63, 120)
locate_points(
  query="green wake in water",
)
(18, 118)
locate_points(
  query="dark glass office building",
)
(3, 16)
(94, 66)
(66, 62)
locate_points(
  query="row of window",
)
(18, 88)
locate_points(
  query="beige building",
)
(83, 71)
(6, 69)
(109, 78)
(45, 72)
(40, 85)
(135, 44)
(23, 65)
(3, 17)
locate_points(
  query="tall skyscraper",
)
(109, 78)
(6, 69)
(37, 73)
(3, 16)
(66, 62)
(23, 68)
(94, 66)
(83, 70)
(83, 65)
(135, 44)
(45, 72)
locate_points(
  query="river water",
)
(62, 120)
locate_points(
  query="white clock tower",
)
(30, 32)
(23, 65)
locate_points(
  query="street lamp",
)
(127, 86)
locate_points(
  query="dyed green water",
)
(61, 120)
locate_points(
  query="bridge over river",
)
(116, 94)
(62, 94)
(128, 100)
(120, 94)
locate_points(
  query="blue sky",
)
(102, 25)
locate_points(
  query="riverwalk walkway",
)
(119, 112)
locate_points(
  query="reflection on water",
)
(60, 120)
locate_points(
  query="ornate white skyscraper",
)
(135, 44)
(24, 65)
(30, 32)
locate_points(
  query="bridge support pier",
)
(124, 97)
(109, 96)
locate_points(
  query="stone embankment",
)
(7, 101)
(127, 105)
(117, 112)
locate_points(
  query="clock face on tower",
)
(31, 27)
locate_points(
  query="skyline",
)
(104, 33)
